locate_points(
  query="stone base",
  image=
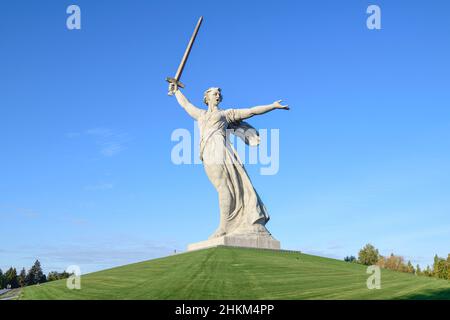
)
(248, 241)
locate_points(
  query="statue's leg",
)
(226, 205)
(217, 176)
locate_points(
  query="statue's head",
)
(212, 96)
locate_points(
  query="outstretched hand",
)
(277, 105)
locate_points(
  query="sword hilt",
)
(176, 82)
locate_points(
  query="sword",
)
(176, 79)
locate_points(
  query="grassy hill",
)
(237, 273)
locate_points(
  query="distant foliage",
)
(410, 268)
(368, 255)
(441, 267)
(448, 267)
(35, 275)
(54, 275)
(350, 259)
(428, 272)
(396, 263)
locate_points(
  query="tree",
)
(418, 271)
(29, 278)
(428, 272)
(11, 278)
(440, 268)
(448, 266)
(436, 265)
(368, 255)
(2, 280)
(396, 263)
(54, 275)
(35, 274)
(381, 262)
(349, 259)
(410, 268)
(22, 278)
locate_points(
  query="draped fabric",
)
(241, 208)
(242, 129)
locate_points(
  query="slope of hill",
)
(237, 273)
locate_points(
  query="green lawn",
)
(236, 273)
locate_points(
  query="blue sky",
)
(86, 176)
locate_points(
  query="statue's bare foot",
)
(219, 233)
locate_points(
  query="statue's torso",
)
(212, 121)
(212, 126)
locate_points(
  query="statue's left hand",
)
(277, 105)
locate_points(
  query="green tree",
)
(442, 269)
(436, 266)
(410, 267)
(2, 280)
(448, 266)
(418, 271)
(11, 278)
(368, 255)
(29, 278)
(349, 259)
(35, 275)
(428, 272)
(54, 275)
(22, 278)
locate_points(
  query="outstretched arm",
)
(242, 114)
(192, 110)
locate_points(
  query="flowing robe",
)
(242, 211)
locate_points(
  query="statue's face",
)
(214, 97)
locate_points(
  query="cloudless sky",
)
(86, 176)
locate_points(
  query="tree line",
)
(35, 275)
(369, 255)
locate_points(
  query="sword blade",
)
(188, 50)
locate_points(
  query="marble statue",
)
(243, 215)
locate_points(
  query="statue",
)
(243, 215)
(241, 209)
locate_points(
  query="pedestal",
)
(238, 240)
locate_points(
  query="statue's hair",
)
(205, 95)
